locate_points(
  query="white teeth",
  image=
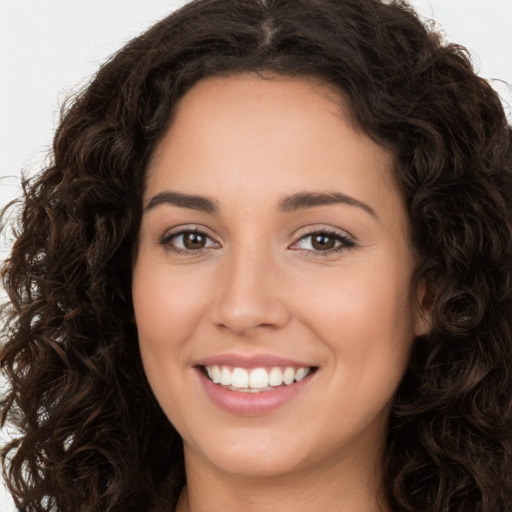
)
(215, 374)
(225, 376)
(275, 377)
(240, 378)
(257, 379)
(300, 374)
(288, 376)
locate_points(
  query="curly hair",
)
(91, 436)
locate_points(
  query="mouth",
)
(255, 380)
(254, 385)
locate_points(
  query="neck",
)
(347, 486)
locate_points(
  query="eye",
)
(188, 241)
(323, 242)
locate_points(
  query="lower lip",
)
(251, 404)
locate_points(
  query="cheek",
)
(166, 313)
(167, 305)
(361, 299)
(365, 322)
(365, 319)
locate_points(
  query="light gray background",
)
(49, 48)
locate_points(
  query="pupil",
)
(193, 241)
(323, 242)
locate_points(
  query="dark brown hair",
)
(91, 435)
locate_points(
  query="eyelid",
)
(322, 228)
(180, 228)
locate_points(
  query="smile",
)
(257, 379)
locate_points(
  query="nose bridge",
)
(249, 295)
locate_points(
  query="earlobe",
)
(423, 323)
(424, 306)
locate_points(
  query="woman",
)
(269, 267)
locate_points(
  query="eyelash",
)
(166, 241)
(345, 243)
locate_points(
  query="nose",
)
(250, 298)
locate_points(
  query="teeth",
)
(257, 379)
(300, 374)
(215, 377)
(239, 378)
(225, 376)
(288, 376)
(275, 377)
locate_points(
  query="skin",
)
(260, 286)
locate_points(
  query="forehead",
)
(275, 134)
(294, 93)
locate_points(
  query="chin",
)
(255, 456)
(258, 465)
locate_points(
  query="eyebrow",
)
(194, 202)
(299, 201)
(303, 200)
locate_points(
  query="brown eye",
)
(188, 241)
(322, 242)
(194, 240)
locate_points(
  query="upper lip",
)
(250, 361)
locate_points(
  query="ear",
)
(424, 305)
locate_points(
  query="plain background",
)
(50, 48)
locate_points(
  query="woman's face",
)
(273, 248)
